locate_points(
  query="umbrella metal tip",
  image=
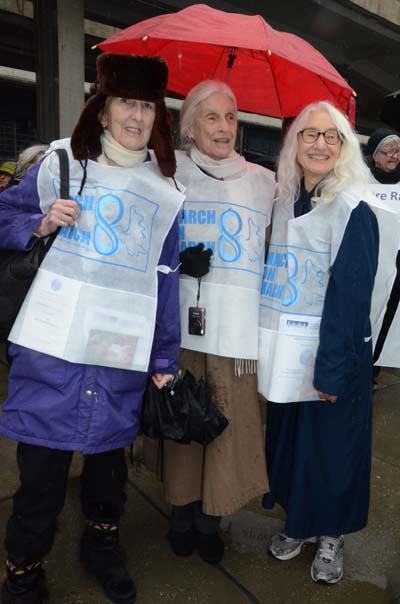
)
(145, 38)
(93, 47)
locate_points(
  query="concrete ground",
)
(247, 575)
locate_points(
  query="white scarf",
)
(120, 155)
(229, 168)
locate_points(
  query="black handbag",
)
(18, 267)
(183, 411)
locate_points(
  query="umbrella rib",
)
(267, 54)
(224, 51)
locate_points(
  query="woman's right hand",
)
(63, 212)
(331, 398)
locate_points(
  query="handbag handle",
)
(64, 189)
(64, 173)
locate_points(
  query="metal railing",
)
(14, 137)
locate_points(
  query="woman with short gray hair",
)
(227, 209)
(27, 159)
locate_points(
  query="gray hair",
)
(350, 169)
(28, 158)
(387, 142)
(197, 95)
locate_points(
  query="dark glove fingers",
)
(196, 249)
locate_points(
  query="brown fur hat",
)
(134, 77)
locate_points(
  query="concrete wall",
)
(388, 9)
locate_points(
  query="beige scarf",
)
(120, 155)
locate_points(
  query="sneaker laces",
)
(328, 548)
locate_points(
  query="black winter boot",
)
(210, 547)
(105, 559)
(24, 586)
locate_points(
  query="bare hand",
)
(63, 212)
(160, 379)
(331, 398)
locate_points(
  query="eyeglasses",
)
(390, 153)
(311, 135)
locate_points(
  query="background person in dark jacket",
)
(383, 156)
(383, 160)
(100, 286)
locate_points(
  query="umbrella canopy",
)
(271, 72)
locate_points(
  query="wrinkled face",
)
(388, 157)
(129, 121)
(215, 125)
(4, 179)
(318, 158)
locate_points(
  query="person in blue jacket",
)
(319, 451)
(118, 231)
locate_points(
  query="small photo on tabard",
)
(106, 346)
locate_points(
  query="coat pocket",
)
(35, 366)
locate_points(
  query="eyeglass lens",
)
(391, 153)
(310, 135)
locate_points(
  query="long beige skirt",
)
(231, 470)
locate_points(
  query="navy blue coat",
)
(319, 453)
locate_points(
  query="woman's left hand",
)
(331, 398)
(161, 379)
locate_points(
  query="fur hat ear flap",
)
(161, 140)
(85, 139)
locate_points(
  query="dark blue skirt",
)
(319, 462)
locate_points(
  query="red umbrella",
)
(271, 72)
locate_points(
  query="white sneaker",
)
(327, 565)
(283, 547)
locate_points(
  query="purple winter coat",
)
(61, 405)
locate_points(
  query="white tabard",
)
(94, 298)
(296, 275)
(387, 198)
(230, 217)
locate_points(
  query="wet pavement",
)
(247, 574)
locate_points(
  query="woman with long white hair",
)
(318, 280)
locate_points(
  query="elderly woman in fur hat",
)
(101, 313)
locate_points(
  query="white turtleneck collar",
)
(117, 153)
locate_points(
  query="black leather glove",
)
(195, 261)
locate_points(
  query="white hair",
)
(197, 95)
(28, 158)
(350, 169)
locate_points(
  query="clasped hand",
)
(63, 212)
(161, 379)
(331, 398)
